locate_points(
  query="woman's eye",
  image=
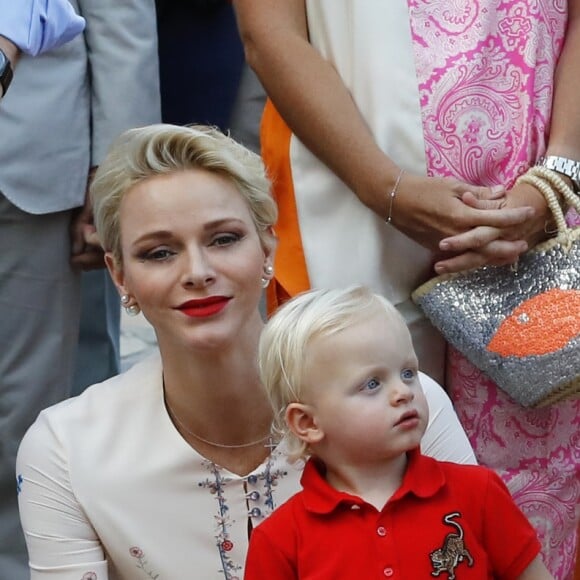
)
(225, 239)
(371, 384)
(158, 255)
(408, 374)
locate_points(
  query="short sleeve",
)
(266, 560)
(61, 541)
(508, 537)
(445, 439)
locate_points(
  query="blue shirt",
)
(36, 26)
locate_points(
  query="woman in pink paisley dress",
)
(463, 96)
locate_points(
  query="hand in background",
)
(461, 223)
(497, 244)
(86, 250)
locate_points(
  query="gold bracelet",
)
(392, 195)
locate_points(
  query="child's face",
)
(364, 391)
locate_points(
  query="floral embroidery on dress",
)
(223, 521)
(19, 482)
(139, 555)
(89, 576)
(216, 485)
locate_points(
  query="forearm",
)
(312, 98)
(565, 127)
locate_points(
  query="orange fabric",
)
(291, 276)
(541, 325)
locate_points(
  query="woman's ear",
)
(269, 245)
(116, 272)
(301, 421)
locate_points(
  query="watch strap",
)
(568, 167)
(5, 72)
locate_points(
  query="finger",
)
(470, 240)
(88, 260)
(468, 198)
(465, 261)
(500, 252)
(488, 193)
(497, 253)
(503, 218)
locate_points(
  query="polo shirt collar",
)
(423, 478)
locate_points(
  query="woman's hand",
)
(435, 210)
(497, 245)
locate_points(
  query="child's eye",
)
(371, 384)
(226, 239)
(407, 374)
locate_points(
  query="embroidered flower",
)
(227, 545)
(19, 481)
(89, 576)
(136, 552)
(142, 563)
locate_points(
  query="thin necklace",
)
(221, 445)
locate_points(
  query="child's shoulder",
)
(473, 479)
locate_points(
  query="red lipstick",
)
(204, 307)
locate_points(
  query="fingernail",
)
(440, 269)
(444, 244)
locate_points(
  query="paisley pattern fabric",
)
(485, 72)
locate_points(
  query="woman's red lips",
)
(204, 306)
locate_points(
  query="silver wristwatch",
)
(565, 166)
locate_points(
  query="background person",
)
(185, 216)
(62, 112)
(463, 97)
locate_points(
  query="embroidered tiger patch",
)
(453, 551)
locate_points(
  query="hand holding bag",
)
(521, 326)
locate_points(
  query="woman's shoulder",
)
(104, 403)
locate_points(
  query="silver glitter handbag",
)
(521, 326)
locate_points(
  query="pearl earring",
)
(132, 310)
(268, 270)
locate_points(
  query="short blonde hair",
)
(287, 335)
(139, 154)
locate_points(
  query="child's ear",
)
(302, 422)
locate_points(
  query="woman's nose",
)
(198, 271)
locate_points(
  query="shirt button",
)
(255, 512)
(381, 531)
(388, 572)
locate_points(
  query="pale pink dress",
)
(485, 71)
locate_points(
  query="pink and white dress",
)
(458, 88)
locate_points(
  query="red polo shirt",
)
(452, 521)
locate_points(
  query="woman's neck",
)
(217, 397)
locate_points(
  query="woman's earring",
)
(132, 310)
(268, 270)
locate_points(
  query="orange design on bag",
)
(541, 325)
